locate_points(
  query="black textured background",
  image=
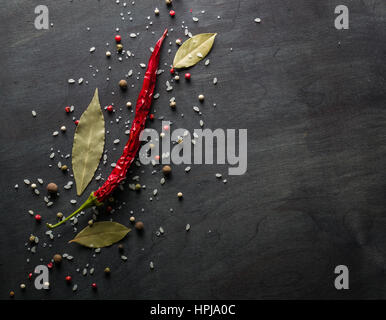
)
(311, 97)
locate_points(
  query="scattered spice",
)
(57, 258)
(130, 150)
(52, 187)
(123, 84)
(166, 170)
(139, 225)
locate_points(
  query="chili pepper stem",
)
(90, 202)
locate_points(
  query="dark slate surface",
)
(311, 97)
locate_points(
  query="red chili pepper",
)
(142, 109)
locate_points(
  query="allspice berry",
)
(139, 225)
(12, 294)
(123, 84)
(57, 258)
(59, 215)
(64, 168)
(168, 2)
(32, 238)
(166, 169)
(119, 47)
(52, 187)
(107, 270)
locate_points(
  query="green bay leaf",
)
(89, 141)
(101, 234)
(193, 50)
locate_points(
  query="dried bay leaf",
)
(193, 50)
(88, 144)
(101, 234)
